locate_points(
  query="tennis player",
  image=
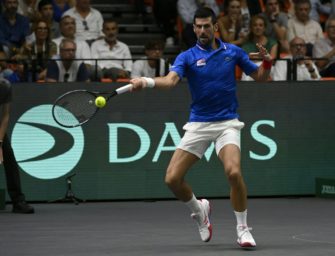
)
(210, 69)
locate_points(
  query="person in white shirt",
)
(67, 27)
(28, 8)
(67, 69)
(153, 64)
(303, 26)
(114, 57)
(88, 21)
(324, 50)
(305, 67)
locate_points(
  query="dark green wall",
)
(288, 140)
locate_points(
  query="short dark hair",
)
(109, 20)
(44, 3)
(298, 2)
(154, 45)
(205, 12)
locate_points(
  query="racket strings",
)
(75, 108)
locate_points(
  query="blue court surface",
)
(281, 226)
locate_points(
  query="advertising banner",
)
(123, 152)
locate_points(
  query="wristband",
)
(267, 64)
(311, 71)
(150, 82)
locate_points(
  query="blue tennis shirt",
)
(211, 79)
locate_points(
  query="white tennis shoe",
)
(244, 237)
(202, 219)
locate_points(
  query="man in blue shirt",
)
(210, 69)
(14, 27)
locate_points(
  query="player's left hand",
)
(261, 54)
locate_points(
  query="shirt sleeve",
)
(244, 62)
(290, 30)
(136, 70)
(318, 49)
(128, 64)
(179, 65)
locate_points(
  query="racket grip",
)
(124, 89)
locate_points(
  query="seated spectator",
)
(46, 13)
(153, 64)
(28, 8)
(303, 26)
(61, 6)
(276, 24)
(233, 28)
(305, 68)
(5, 71)
(118, 61)
(287, 6)
(186, 10)
(67, 27)
(13, 72)
(14, 28)
(318, 8)
(39, 51)
(257, 35)
(325, 48)
(88, 21)
(67, 69)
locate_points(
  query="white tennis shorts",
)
(199, 136)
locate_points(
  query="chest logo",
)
(201, 62)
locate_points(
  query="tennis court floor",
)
(281, 226)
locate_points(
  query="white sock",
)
(241, 218)
(193, 204)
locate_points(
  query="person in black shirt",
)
(7, 157)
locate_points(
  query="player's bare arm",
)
(164, 82)
(263, 72)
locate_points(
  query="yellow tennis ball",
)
(100, 102)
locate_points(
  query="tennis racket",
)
(77, 107)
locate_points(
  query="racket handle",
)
(124, 89)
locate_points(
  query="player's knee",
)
(171, 180)
(234, 176)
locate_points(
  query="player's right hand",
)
(138, 84)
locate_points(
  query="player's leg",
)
(230, 156)
(180, 163)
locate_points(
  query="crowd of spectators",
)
(36, 35)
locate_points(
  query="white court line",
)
(298, 237)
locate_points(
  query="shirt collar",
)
(221, 45)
